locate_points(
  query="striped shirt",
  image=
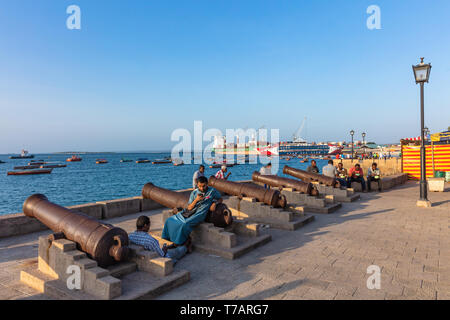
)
(142, 238)
(219, 175)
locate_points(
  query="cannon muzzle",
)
(102, 242)
(270, 197)
(280, 182)
(309, 177)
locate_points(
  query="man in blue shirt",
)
(141, 237)
(203, 199)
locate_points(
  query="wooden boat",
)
(304, 160)
(101, 161)
(74, 159)
(37, 163)
(161, 161)
(23, 155)
(27, 167)
(220, 165)
(178, 162)
(126, 160)
(27, 172)
(142, 160)
(53, 166)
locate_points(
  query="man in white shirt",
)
(199, 173)
(329, 170)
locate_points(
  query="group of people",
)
(177, 228)
(354, 174)
(204, 199)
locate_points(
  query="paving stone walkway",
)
(326, 259)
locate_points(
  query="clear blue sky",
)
(137, 70)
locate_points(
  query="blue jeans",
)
(176, 253)
(343, 182)
(360, 180)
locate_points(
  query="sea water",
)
(85, 181)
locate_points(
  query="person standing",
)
(313, 167)
(265, 171)
(199, 173)
(221, 173)
(329, 170)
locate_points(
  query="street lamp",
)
(422, 75)
(352, 133)
(364, 142)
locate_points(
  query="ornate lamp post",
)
(352, 133)
(364, 142)
(422, 75)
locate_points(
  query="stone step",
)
(122, 269)
(143, 286)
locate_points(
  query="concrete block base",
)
(340, 195)
(51, 274)
(300, 203)
(261, 213)
(423, 203)
(229, 243)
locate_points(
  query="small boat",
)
(2, 161)
(126, 160)
(101, 161)
(27, 167)
(304, 160)
(27, 172)
(36, 163)
(47, 166)
(220, 165)
(74, 159)
(142, 160)
(178, 162)
(161, 161)
(23, 155)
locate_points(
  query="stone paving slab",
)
(326, 259)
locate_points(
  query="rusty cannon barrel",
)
(221, 217)
(309, 176)
(276, 181)
(102, 242)
(270, 197)
(167, 198)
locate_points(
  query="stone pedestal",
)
(423, 203)
(309, 203)
(251, 210)
(230, 243)
(340, 195)
(61, 268)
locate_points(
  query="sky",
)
(138, 70)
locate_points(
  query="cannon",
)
(221, 217)
(276, 181)
(102, 242)
(270, 197)
(309, 176)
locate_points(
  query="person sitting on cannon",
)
(356, 175)
(342, 175)
(313, 167)
(141, 237)
(203, 199)
(374, 174)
